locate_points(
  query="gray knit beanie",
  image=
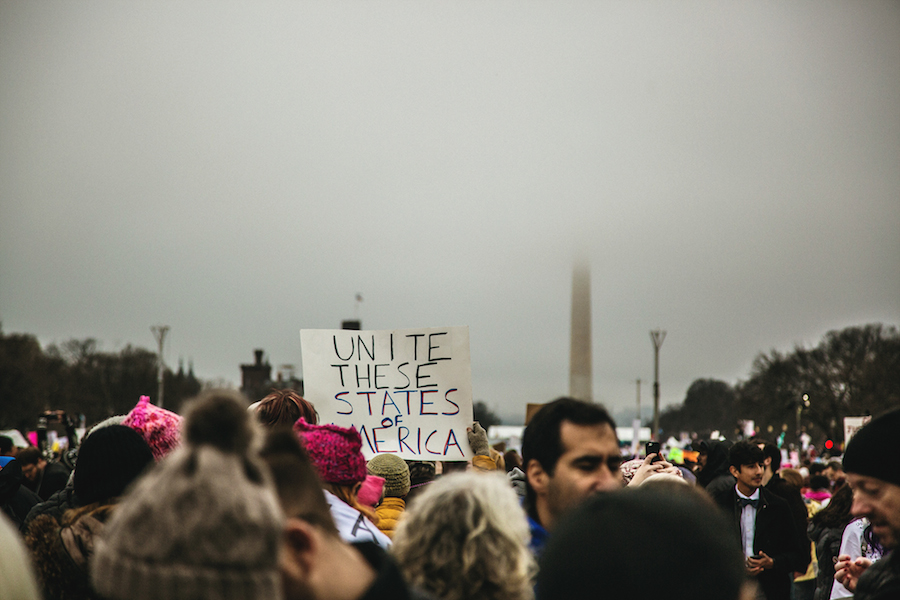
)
(395, 472)
(205, 523)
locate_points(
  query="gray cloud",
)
(241, 170)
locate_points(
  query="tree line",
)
(78, 378)
(851, 372)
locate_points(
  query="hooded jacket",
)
(715, 476)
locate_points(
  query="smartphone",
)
(652, 448)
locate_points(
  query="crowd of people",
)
(237, 502)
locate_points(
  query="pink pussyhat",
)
(335, 451)
(160, 428)
(370, 492)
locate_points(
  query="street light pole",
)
(803, 403)
(657, 336)
(159, 332)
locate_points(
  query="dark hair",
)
(871, 539)
(793, 477)
(771, 451)
(421, 473)
(541, 440)
(512, 460)
(819, 482)
(285, 407)
(296, 481)
(835, 465)
(29, 456)
(6, 444)
(578, 560)
(837, 512)
(816, 468)
(745, 453)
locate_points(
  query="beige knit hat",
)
(395, 472)
(204, 524)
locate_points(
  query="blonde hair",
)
(466, 537)
(349, 495)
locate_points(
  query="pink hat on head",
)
(160, 428)
(371, 490)
(336, 452)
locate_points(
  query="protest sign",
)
(852, 425)
(406, 391)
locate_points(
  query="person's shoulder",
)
(56, 467)
(772, 499)
(725, 497)
(857, 526)
(780, 487)
(721, 484)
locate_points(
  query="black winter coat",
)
(775, 535)
(828, 545)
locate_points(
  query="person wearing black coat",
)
(714, 475)
(15, 499)
(109, 459)
(790, 494)
(762, 524)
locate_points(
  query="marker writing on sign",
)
(416, 402)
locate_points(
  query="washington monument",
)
(581, 381)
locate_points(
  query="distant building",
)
(256, 378)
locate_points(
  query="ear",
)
(301, 545)
(537, 477)
(734, 471)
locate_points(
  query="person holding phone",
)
(874, 477)
(638, 470)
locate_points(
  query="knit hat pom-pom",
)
(219, 419)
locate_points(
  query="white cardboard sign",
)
(406, 391)
(852, 425)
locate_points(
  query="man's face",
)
(879, 501)
(702, 458)
(589, 463)
(32, 472)
(749, 477)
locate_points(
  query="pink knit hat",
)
(336, 452)
(371, 490)
(160, 428)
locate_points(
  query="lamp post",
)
(159, 332)
(801, 404)
(657, 336)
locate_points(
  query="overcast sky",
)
(241, 170)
